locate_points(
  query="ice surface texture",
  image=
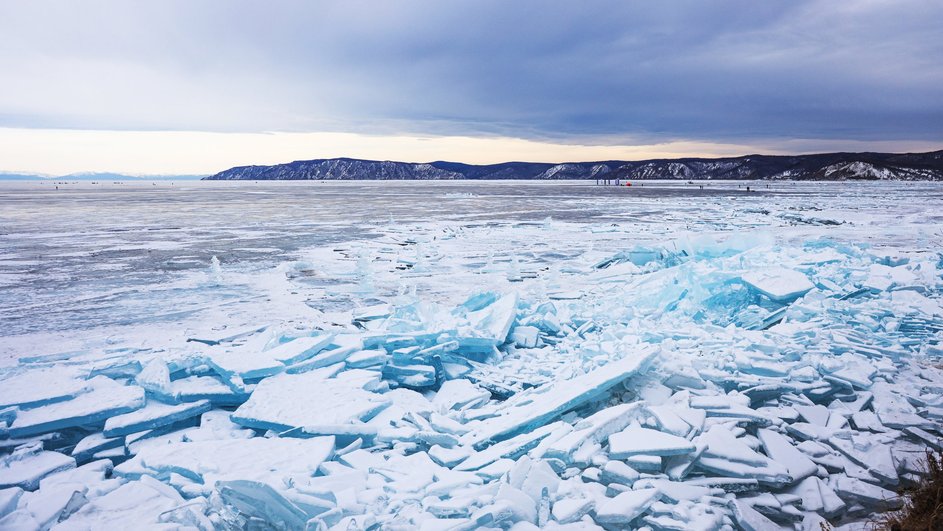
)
(455, 378)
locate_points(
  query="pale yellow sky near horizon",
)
(63, 151)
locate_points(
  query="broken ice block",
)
(870, 495)
(226, 335)
(618, 472)
(525, 336)
(310, 400)
(197, 388)
(43, 386)
(538, 406)
(93, 444)
(779, 284)
(257, 459)
(749, 519)
(261, 501)
(27, 465)
(133, 505)
(626, 507)
(636, 440)
(779, 449)
(367, 358)
(458, 395)
(489, 326)
(8, 499)
(153, 415)
(106, 398)
(593, 430)
(569, 510)
(244, 363)
(299, 349)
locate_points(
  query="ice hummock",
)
(691, 384)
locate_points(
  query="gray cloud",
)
(720, 71)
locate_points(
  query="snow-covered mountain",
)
(825, 166)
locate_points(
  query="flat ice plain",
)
(463, 355)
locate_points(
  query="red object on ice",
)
(628, 184)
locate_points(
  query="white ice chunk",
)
(537, 406)
(257, 459)
(27, 465)
(636, 440)
(865, 493)
(494, 321)
(153, 415)
(134, 505)
(750, 520)
(299, 349)
(783, 452)
(525, 336)
(568, 510)
(94, 443)
(42, 386)
(106, 398)
(309, 400)
(459, 394)
(626, 507)
(779, 284)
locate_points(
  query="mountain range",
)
(823, 166)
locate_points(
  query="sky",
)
(184, 86)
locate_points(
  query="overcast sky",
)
(198, 86)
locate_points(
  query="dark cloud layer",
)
(608, 70)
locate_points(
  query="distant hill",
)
(824, 166)
(95, 176)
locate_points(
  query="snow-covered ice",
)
(662, 357)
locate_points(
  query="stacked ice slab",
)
(699, 385)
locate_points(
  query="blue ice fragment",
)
(245, 364)
(106, 399)
(415, 375)
(196, 388)
(38, 387)
(93, 444)
(641, 256)
(494, 321)
(299, 349)
(367, 358)
(259, 500)
(8, 500)
(116, 368)
(324, 359)
(30, 463)
(478, 301)
(153, 415)
(8, 414)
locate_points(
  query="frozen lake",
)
(452, 355)
(87, 255)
